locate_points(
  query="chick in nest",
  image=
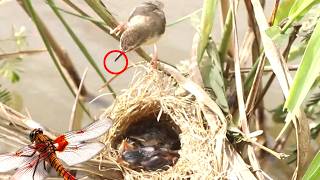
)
(146, 157)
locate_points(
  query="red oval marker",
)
(122, 54)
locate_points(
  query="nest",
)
(156, 98)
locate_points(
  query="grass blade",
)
(283, 11)
(208, 14)
(27, 5)
(225, 41)
(80, 16)
(104, 14)
(80, 45)
(282, 73)
(307, 72)
(212, 77)
(313, 171)
(184, 18)
(298, 9)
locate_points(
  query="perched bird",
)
(145, 25)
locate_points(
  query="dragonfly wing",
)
(92, 131)
(12, 161)
(33, 169)
(75, 154)
(33, 124)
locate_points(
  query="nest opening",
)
(149, 144)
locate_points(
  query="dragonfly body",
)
(72, 148)
(48, 148)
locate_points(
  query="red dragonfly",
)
(72, 148)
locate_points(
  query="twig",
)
(274, 12)
(253, 26)
(255, 86)
(270, 151)
(51, 46)
(285, 54)
(18, 53)
(20, 120)
(242, 114)
(114, 77)
(184, 18)
(74, 108)
(80, 45)
(266, 69)
(279, 145)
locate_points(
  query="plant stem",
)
(139, 51)
(83, 49)
(224, 45)
(48, 40)
(208, 13)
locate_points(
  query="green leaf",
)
(280, 39)
(225, 41)
(298, 9)
(283, 11)
(208, 13)
(212, 77)
(297, 51)
(189, 16)
(313, 172)
(80, 16)
(10, 69)
(307, 72)
(5, 95)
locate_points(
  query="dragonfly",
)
(74, 147)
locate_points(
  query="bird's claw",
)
(119, 29)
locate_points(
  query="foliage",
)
(10, 65)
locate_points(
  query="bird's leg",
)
(119, 29)
(154, 60)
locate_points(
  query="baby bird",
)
(145, 25)
(146, 157)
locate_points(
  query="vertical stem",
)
(208, 12)
(81, 46)
(47, 39)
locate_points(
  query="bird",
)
(149, 158)
(145, 25)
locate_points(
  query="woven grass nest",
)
(157, 97)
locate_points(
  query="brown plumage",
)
(145, 25)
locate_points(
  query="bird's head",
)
(157, 3)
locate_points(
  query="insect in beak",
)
(117, 58)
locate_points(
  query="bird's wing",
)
(145, 8)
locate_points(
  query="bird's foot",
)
(154, 63)
(154, 60)
(119, 29)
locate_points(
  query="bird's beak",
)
(117, 58)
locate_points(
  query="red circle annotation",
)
(122, 54)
